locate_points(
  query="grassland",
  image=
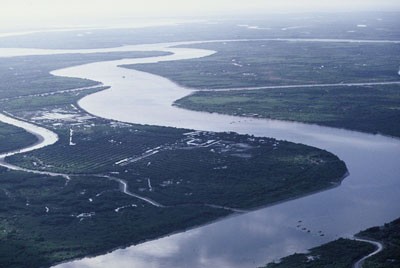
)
(269, 63)
(343, 253)
(373, 109)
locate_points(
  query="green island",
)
(195, 177)
(343, 253)
(242, 65)
(377, 108)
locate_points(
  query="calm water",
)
(45, 136)
(368, 197)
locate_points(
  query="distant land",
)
(108, 184)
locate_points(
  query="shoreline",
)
(229, 216)
(208, 223)
(190, 91)
(35, 129)
(193, 228)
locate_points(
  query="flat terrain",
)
(20, 138)
(345, 252)
(43, 220)
(175, 167)
(196, 177)
(131, 183)
(373, 109)
(341, 253)
(378, 25)
(30, 75)
(268, 63)
(389, 235)
(243, 65)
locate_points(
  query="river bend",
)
(368, 197)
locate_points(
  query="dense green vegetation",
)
(345, 252)
(374, 109)
(389, 235)
(65, 232)
(12, 138)
(180, 173)
(44, 220)
(256, 64)
(96, 147)
(268, 63)
(236, 170)
(341, 253)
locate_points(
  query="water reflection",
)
(368, 197)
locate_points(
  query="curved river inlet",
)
(368, 197)
(44, 137)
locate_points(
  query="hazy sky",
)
(18, 12)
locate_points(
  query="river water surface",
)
(369, 196)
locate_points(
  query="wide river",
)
(368, 197)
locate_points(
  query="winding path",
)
(147, 99)
(379, 248)
(45, 138)
(125, 190)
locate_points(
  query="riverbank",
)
(374, 105)
(341, 253)
(350, 145)
(44, 136)
(87, 202)
(278, 80)
(280, 220)
(374, 247)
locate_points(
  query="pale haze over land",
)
(27, 13)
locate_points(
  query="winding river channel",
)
(369, 196)
(44, 137)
